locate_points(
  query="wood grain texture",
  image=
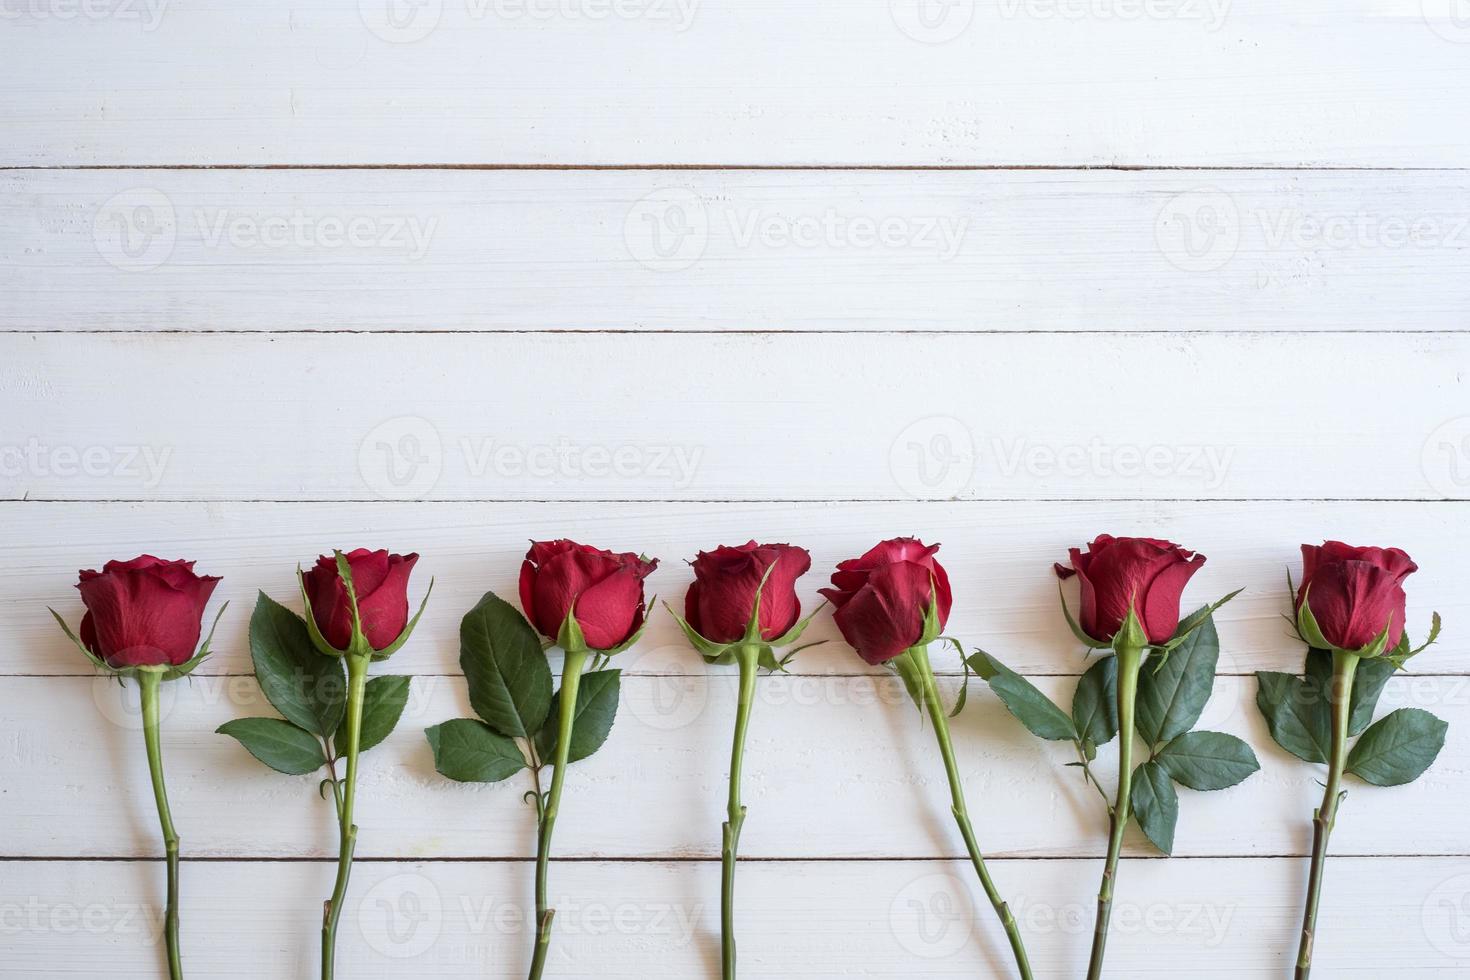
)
(998, 555)
(738, 417)
(728, 250)
(1190, 82)
(819, 920)
(834, 766)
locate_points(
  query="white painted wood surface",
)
(737, 417)
(734, 250)
(281, 276)
(1037, 82)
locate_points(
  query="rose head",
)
(605, 589)
(882, 597)
(1355, 593)
(722, 598)
(380, 581)
(1145, 573)
(145, 612)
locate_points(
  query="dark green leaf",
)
(597, 707)
(510, 682)
(1155, 805)
(382, 706)
(1207, 760)
(1172, 694)
(470, 751)
(1297, 714)
(1022, 699)
(279, 744)
(1399, 748)
(1368, 684)
(309, 689)
(1095, 703)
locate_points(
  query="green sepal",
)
(1307, 627)
(97, 661)
(393, 647)
(569, 636)
(1195, 620)
(1131, 635)
(1086, 640)
(794, 634)
(359, 645)
(317, 640)
(959, 702)
(712, 652)
(932, 627)
(187, 667)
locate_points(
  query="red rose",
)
(1145, 573)
(726, 580)
(381, 583)
(144, 612)
(607, 590)
(1355, 593)
(881, 597)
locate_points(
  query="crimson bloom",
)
(145, 612)
(720, 602)
(881, 598)
(380, 581)
(1145, 574)
(1355, 593)
(605, 588)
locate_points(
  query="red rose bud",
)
(1355, 593)
(882, 597)
(1145, 573)
(726, 580)
(605, 588)
(380, 581)
(145, 612)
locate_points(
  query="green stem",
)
(571, 680)
(357, 666)
(148, 683)
(1344, 667)
(1130, 660)
(748, 655)
(914, 665)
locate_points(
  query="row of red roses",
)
(144, 620)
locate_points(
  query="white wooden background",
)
(446, 275)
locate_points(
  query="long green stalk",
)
(148, 683)
(914, 665)
(1344, 667)
(748, 656)
(357, 666)
(571, 681)
(1130, 660)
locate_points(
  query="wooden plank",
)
(836, 766)
(998, 555)
(826, 920)
(531, 250)
(1192, 82)
(731, 417)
